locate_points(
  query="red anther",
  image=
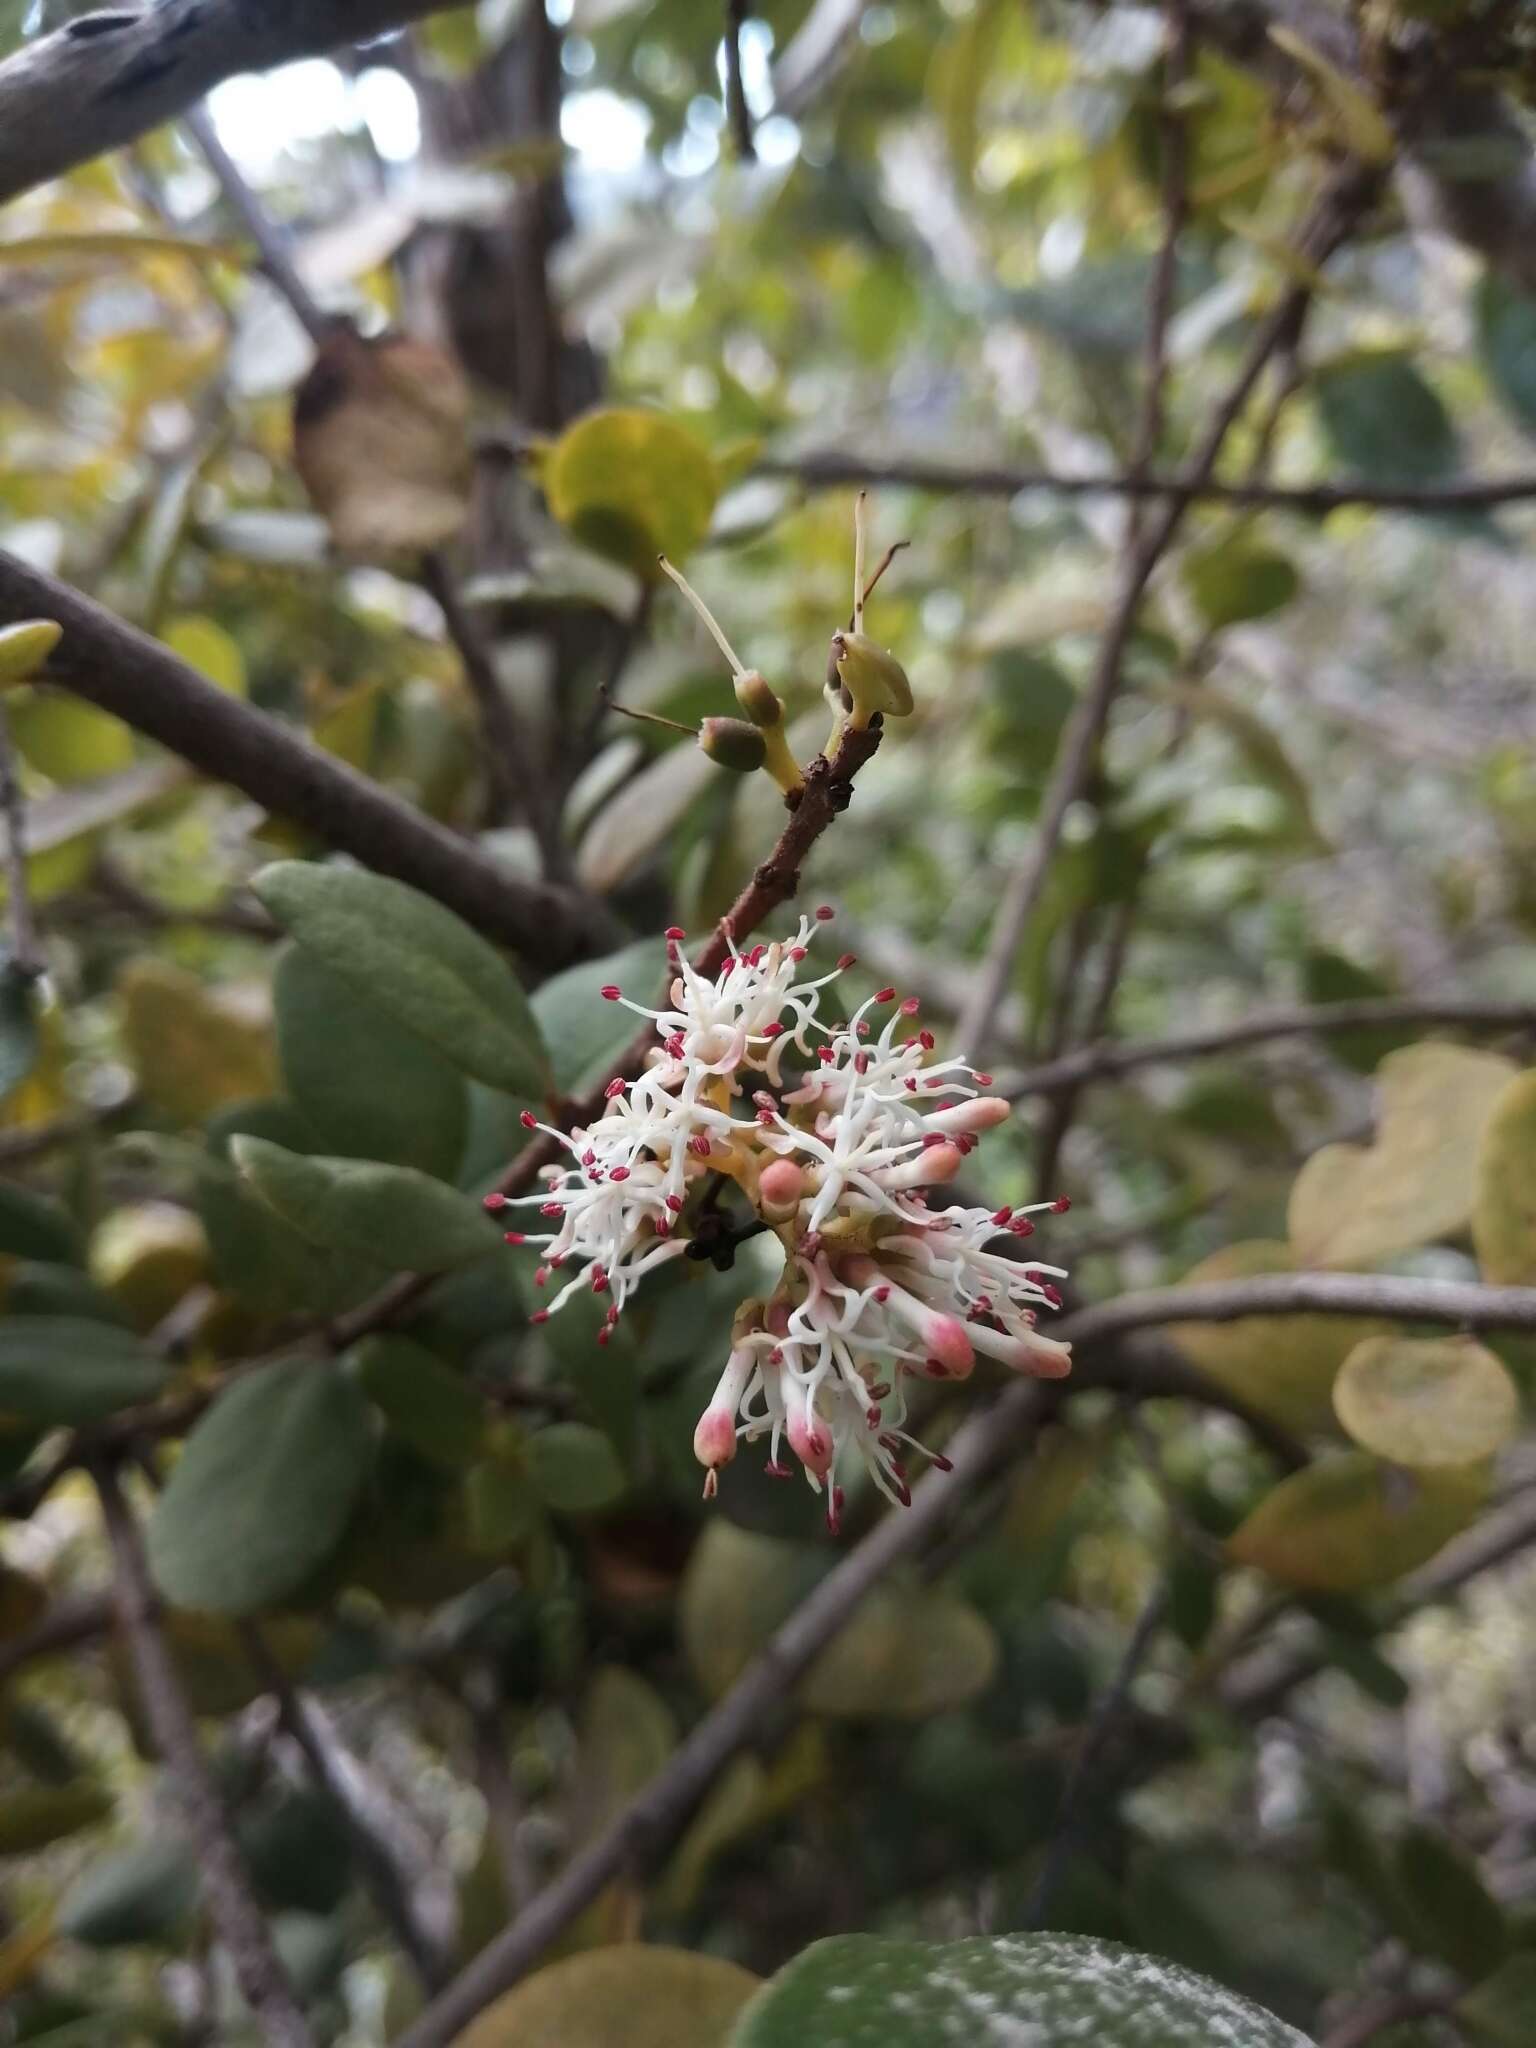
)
(885, 995)
(984, 1304)
(776, 1356)
(883, 1293)
(773, 1031)
(674, 931)
(615, 1087)
(589, 1157)
(926, 1040)
(494, 1202)
(1034, 1275)
(880, 1391)
(1052, 1295)
(965, 1143)
(838, 1497)
(766, 1118)
(514, 1237)
(910, 1007)
(776, 1471)
(613, 1312)
(599, 1282)
(1002, 1216)
(932, 1138)
(662, 1227)
(755, 957)
(834, 1522)
(610, 991)
(861, 1063)
(674, 1045)
(982, 1080)
(700, 1145)
(825, 913)
(911, 1084)
(872, 1418)
(903, 1492)
(898, 1468)
(528, 1120)
(826, 1055)
(763, 1099)
(551, 1209)
(1061, 1205)
(1022, 1227)
(541, 1277)
(941, 1463)
(602, 1337)
(540, 1315)
(675, 1204)
(863, 1027)
(619, 1173)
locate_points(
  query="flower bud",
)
(811, 1444)
(25, 647)
(733, 744)
(874, 680)
(779, 1189)
(756, 697)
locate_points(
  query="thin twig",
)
(225, 1889)
(1096, 1737)
(1331, 218)
(1457, 1304)
(826, 471)
(737, 110)
(271, 243)
(1173, 126)
(26, 952)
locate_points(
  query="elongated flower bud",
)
(733, 744)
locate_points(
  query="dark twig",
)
(1335, 212)
(64, 1626)
(225, 1889)
(1107, 1060)
(111, 663)
(737, 111)
(271, 243)
(1085, 1765)
(26, 953)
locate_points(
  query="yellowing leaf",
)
(381, 440)
(209, 649)
(67, 739)
(1426, 1401)
(147, 1256)
(908, 1651)
(1348, 1523)
(1504, 1208)
(111, 246)
(632, 484)
(1353, 1204)
(24, 648)
(195, 1048)
(645, 1997)
(1284, 1365)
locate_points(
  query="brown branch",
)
(64, 1626)
(835, 471)
(738, 112)
(1108, 1060)
(26, 959)
(111, 76)
(1342, 201)
(1458, 1304)
(225, 1890)
(112, 664)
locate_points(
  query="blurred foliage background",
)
(444, 1598)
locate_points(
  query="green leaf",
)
(1347, 1523)
(1501, 2011)
(263, 1490)
(1014, 1991)
(144, 1893)
(69, 1369)
(32, 1816)
(1506, 341)
(1236, 581)
(574, 1468)
(426, 1403)
(419, 963)
(1329, 977)
(1504, 1203)
(631, 485)
(18, 1024)
(909, 1650)
(209, 649)
(197, 1049)
(67, 739)
(641, 1994)
(298, 1851)
(499, 1507)
(1426, 1401)
(1285, 1365)
(1383, 422)
(369, 1087)
(1351, 1204)
(31, 1227)
(1449, 1911)
(393, 1214)
(584, 1034)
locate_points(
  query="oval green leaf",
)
(419, 963)
(1348, 1523)
(403, 1219)
(1014, 1991)
(1504, 1200)
(71, 1369)
(644, 1996)
(632, 484)
(426, 1403)
(1382, 421)
(584, 1034)
(370, 1088)
(574, 1468)
(1426, 1401)
(263, 1490)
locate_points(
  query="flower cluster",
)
(836, 1134)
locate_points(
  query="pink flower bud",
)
(714, 1441)
(780, 1187)
(812, 1446)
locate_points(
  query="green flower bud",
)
(873, 679)
(24, 648)
(733, 744)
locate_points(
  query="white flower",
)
(837, 1158)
